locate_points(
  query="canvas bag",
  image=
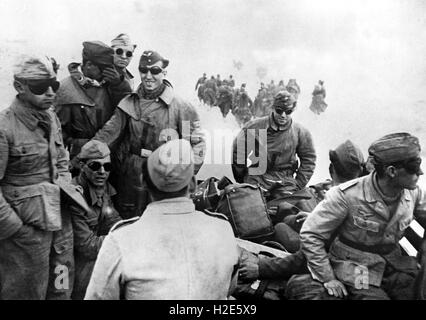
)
(244, 206)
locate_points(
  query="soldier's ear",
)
(391, 171)
(19, 86)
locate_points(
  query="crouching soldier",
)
(36, 240)
(369, 216)
(91, 228)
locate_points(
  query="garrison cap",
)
(122, 39)
(284, 99)
(348, 157)
(171, 166)
(34, 68)
(394, 147)
(94, 149)
(150, 57)
(98, 52)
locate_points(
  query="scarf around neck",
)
(151, 95)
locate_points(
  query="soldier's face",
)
(123, 55)
(408, 177)
(151, 81)
(41, 101)
(99, 176)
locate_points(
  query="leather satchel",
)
(245, 207)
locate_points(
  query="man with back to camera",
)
(172, 251)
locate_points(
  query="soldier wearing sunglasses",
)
(143, 121)
(36, 240)
(123, 54)
(369, 216)
(86, 100)
(91, 228)
(288, 143)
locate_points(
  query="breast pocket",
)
(363, 218)
(24, 156)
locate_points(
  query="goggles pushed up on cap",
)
(39, 87)
(96, 166)
(120, 51)
(154, 70)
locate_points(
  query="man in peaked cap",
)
(36, 241)
(172, 251)
(281, 142)
(87, 99)
(142, 122)
(90, 228)
(369, 216)
(242, 106)
(123, 53)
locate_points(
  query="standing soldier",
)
(86, 100)
(242, 106)
(285, 143)
(210, 91)
(123, 54)
(224, 98)
(369, 215)
(90, 228)
(142, 122)
(36, 239)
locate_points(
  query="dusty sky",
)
(370, 53)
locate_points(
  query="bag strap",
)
(260, 291)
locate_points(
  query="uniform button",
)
(16, 194)
(56, 176)
(156, 100)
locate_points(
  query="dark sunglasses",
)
(96, 166)
(120, 51)
(39, 87)
(412, 166)
(154, 70)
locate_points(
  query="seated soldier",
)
(90, 229)
(346, 163)
(365, 219)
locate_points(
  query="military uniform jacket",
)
(142, 125)
(357, 212)
(29, 166)
(282, 149)
(171, 252)
(83, 111)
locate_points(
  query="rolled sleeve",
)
(318, 229)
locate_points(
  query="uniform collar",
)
(70, 92)
(89, 191)
(371, 194)
(179, 205)
(23, 114)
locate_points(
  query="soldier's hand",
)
(301, 217)
(336, 288)
(249, 270)
(111, 75)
